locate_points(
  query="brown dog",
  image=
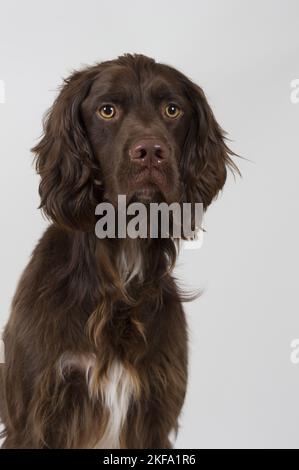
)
(96, 344)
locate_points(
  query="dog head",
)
(128, 126)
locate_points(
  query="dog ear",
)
(64, 158)
(206, 156)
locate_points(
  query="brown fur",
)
(72, 304)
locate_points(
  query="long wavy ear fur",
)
(64, 158)
(206, 156)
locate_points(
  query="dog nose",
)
(149, 151)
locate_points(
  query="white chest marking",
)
(115, 391)
(116, 394)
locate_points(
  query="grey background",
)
(243, 390)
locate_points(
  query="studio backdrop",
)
(243, 383)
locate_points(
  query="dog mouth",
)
(148, 193)
(149, 186)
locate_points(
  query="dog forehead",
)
(113, 77)
(124, 81)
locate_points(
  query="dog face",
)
(137, 122)
(128, 126)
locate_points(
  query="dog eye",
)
(172, 111)
(107, 111)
